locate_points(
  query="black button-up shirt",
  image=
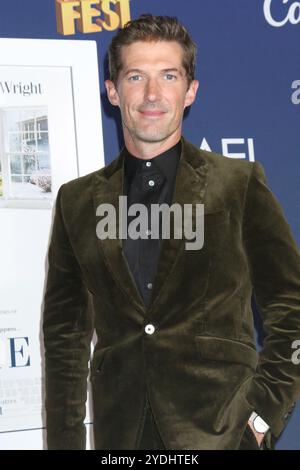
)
(147, 182)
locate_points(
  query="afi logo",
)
(292, 15)
(228, 149)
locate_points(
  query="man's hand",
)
(258, 435)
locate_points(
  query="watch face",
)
(259, 425)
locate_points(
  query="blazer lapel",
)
(108, 186)
(190, 186)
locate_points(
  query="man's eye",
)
(135, 78)
(170, 76)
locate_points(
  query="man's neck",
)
(148, 150)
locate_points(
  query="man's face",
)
(152, 90)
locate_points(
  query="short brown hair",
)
(152, 28)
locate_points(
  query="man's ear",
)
(112, 92)
(191, 93)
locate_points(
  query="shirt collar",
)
(166, 162)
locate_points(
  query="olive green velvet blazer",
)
(200, 367)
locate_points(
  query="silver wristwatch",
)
(258, 423)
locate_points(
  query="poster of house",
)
(25, 165)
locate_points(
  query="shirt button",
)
(149, 329)
(149, 285)
(151, 183)
(148, 163)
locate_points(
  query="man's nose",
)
(152, 90)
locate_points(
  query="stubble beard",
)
(156, 134)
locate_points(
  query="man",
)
(175, 365)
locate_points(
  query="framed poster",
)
(50, 133)
(37, 134)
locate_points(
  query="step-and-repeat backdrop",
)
(248, 107)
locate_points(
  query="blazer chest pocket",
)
(226, 350)
(98, 362)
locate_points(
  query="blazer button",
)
(149, 329)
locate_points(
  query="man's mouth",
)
(153, 113)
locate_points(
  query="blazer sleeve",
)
(274, 263)
(67, 329)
